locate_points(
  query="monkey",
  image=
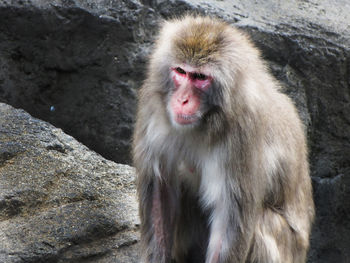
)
(220, 152)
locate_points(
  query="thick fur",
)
(236, 186)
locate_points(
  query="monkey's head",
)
(197, 63)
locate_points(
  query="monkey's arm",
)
(157, 212)
(232, 198)
(231, 233)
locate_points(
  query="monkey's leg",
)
(276, 241)
(192, 230)
(157, 228)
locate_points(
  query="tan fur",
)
(236, 186)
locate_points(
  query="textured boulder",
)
(60, 201)
(77, 65)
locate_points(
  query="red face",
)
(185, 102)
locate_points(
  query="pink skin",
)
(185, 101)
(157, 217)
(216, 255)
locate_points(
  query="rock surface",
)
(59, 201)
(78, 63)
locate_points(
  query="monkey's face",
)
(190, 85)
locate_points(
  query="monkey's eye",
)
(199, 76)
(180, 70)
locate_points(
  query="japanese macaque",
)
(220, 153)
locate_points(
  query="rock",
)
(77, 65)
(60, 201)
(330, 240)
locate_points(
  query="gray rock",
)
(60, 201)
(76, 64)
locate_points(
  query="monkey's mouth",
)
(184, 119)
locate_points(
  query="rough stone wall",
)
(61, 202)
(77, 65)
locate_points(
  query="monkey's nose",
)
(182, 100)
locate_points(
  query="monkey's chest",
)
(189, 175)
